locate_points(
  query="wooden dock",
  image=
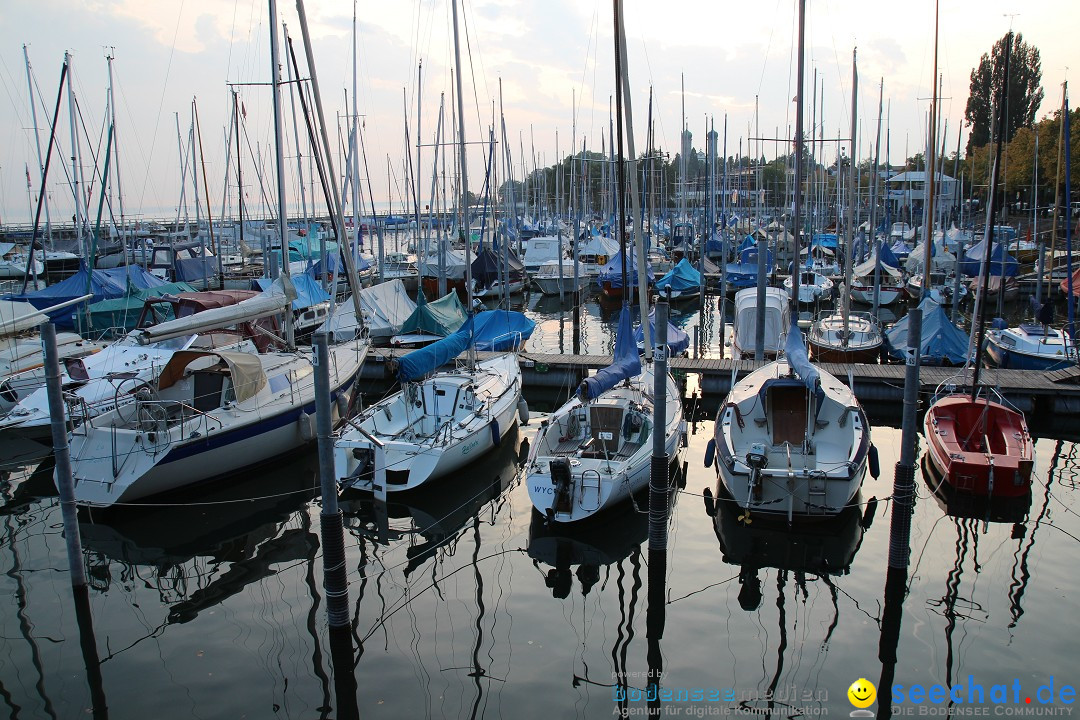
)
(1029, 390)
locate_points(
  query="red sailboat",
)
(978, 445)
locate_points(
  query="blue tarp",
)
(308, 290)
(888, 257)
(422, 362)
(103, 285)
(612, 272)
(1001, 262)
(942, 342)
(825, 240)
(677, 339)
(682, 277)
(500, 330)
(625, 364)
(743, 274)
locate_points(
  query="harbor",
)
(496, 359)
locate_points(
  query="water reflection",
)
(802, 555)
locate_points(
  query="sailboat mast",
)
(635, 206)
(279, 144)
(851, 193)
(988, 237)
(464, 181)
(798, 146)
(931, 168)
(37, 143)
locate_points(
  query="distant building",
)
(907, 194)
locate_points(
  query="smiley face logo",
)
(862, 693)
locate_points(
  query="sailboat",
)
(595, 451)
(440, 420)
(790, 439)
(842, 335)
(975, 442)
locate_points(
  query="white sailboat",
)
(438, 421)
(791, 439)
(595, 451)
(436, 424)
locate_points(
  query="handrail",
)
(166, 404)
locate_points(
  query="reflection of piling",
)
(88, 643)
(904, 476)
(341, 656)
(335, 583)
(658, 510)
(900, 524)
(62, 456)
(577, 320)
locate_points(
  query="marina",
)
(463, 360)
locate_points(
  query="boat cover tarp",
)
(825, 240)
(123, 312)
(422, 362)
(248, 376)
(103, 285)
(335, 264)
(439, 317)
(625, 364)
(195, 269)
(386, 307)
(777, 315)
(677, 339)
(612, 272)
(485, 268)
(1001, 262)
(541, 249)
(940, 258)
(941, 340)
(455, 264)
(682, 277)
(498, 330)
(308, 290)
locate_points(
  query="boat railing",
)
(167, 414)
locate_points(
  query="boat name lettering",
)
(541, 489)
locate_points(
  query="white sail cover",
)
(777, 318)
(274, 300)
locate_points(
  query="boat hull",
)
(999, 463)
(828, 354)
(409, 462)
(598, 483)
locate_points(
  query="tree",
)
(1025, 93)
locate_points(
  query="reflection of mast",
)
(781, 608)
(1019, 585)
(478, 672)
(952, 592)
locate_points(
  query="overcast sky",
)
(545, 52)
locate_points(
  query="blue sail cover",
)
(499, 330)
(625, 364)
(1001, 262)
(681, 278)
(798, 359)
(612, 272)
(422, 362)
(888, 257)
(677, 339)
(942, 342)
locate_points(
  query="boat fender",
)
(710, 502)
(496, 436)
(523, 411)
(342, 405)
(307, 426)
(875, 466)
(710, 453)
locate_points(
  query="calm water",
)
(465, 605)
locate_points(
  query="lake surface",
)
(464, 604)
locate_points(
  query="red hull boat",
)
(979, 446)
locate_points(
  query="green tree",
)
(987, 80)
